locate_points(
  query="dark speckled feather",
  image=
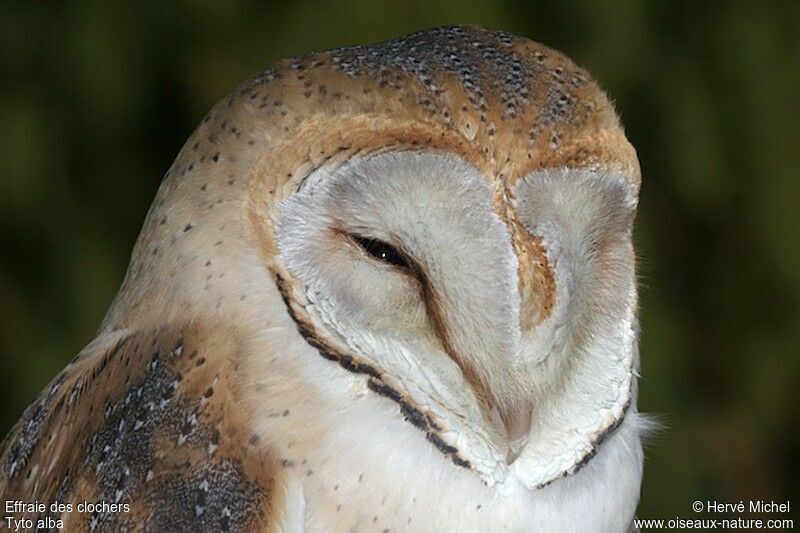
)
(146, 421)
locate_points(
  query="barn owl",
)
(381, 288)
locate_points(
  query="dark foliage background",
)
(96, 98)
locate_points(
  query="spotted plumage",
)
(135, 421)
(263, 368)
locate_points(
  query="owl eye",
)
(382, 251)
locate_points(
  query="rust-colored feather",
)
(150, 421)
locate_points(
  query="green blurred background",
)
(96, 99)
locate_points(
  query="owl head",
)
(445, 218)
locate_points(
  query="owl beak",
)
(517, 425)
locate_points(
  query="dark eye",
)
(381, 251)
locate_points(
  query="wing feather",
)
(149, 421)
